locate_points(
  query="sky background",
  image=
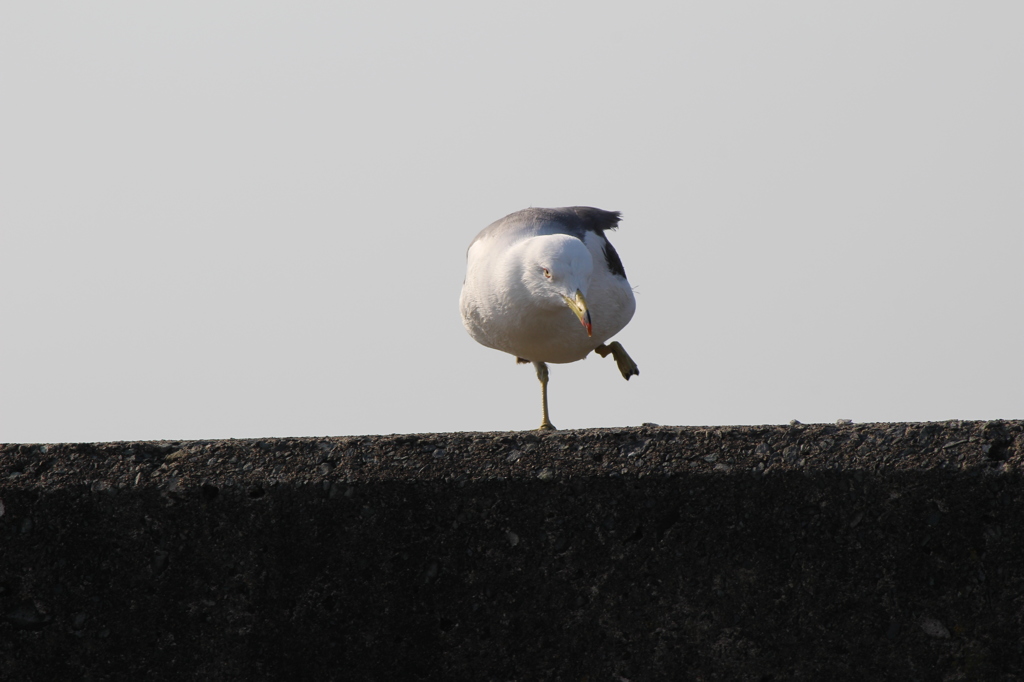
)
(250, 219)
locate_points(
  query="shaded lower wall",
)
(878, 551)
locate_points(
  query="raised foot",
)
(622, 359)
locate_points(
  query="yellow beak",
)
(578, 305)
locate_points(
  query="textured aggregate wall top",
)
(869, 551)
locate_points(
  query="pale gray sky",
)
(247, 219)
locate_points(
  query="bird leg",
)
(622, 359)
(542, 374)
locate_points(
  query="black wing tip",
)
(611, 257)
(598, 218)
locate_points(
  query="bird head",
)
(558, 270)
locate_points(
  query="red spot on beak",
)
(586, 323)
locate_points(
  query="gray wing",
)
(572, 220)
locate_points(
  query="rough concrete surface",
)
(798, 552)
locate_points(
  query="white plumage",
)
(545, 285)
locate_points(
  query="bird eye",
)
(547, 273)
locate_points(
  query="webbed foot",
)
(622, 359)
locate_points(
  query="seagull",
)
(546, 285)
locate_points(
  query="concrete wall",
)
(863, 552)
